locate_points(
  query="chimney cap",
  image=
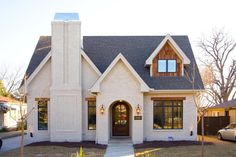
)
(66, 17)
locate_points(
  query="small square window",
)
(171, 65)
(162, 66)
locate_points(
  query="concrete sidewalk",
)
(120, 148)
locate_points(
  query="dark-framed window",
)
(166, 65)
(42, 115)
(167, 114)
(92, 115)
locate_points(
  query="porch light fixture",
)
(138, 109)
(102, 109)
(191, 133)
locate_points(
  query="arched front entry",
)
(120, 119)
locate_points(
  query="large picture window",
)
(42, 115)
(166, 66)
(168, 114)
(91, 115)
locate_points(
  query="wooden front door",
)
(120, 120)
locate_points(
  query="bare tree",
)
(11, 79)
(22, 94)
(200, 99)
(221, 63)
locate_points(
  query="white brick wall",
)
(119, 84)
(38, 87)
(89, 76)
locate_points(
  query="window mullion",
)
(163, 114)
(172, 115)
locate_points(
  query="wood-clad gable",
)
(168, 52)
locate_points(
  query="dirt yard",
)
(48, 150)
(216, 149)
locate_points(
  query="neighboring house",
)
(10, 112)
(106, 87)
(225, 109)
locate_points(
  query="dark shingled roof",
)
(43, 47)
(228, 104)
(136, 49)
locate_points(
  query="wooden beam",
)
(90, 99)
(168, 98)
(42, 99)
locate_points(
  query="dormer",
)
(167, 59)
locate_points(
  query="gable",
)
(167, 52)
(174, 45)
(120, 78)
(96, 87)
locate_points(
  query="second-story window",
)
(166, 66)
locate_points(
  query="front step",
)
(123, 141)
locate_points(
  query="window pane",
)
(42, 115)
(161, 65)
(167, 115)
(171, 65)
(91, 115)
(157, 115)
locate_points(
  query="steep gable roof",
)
(136, 49)
(43, 47)
(102, 50)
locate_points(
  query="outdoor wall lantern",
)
(191, 133)
(102, 109)
(138, 109)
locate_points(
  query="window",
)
(42, 115)
(215, 113)
(91, 115)
(168, 114)
(171, 66)
(161, 65)
(166, 65)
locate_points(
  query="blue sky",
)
(23, 21)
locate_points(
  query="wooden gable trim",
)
(168, 98)
(42, 99)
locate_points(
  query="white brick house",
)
(106, 87)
